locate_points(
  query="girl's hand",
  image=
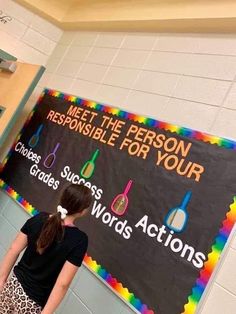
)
(17, 246)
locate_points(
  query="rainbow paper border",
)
(221, 238)
(26, 205)
(213, 258)
(117, 286)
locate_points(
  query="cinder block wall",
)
(185, 79)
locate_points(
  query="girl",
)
(55, 249)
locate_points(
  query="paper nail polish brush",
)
(177, 217)
(89, 167)
(33, 142)
(50, 159)
(120, 202)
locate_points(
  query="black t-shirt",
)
(38, 273)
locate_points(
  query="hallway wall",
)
(183, 79)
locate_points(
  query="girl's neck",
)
(69, 221)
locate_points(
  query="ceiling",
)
(139, 15)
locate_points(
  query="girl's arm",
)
(17, 246)
(60, 288)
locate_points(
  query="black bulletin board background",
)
(159, 277)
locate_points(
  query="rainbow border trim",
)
(221, 238)
(213, 258)
(117, 286)
(26, 205)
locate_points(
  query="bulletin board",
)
(164, 199)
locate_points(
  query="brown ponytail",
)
(52, 229)
(75, 198)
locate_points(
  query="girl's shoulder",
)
(40, 217)
(34, 222)
(74, 233)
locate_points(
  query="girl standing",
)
(55, 249)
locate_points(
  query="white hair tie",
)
(63, 211)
